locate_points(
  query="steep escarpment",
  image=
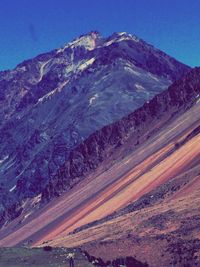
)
(102, 144)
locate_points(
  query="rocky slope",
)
(142, 152)
(52, 103)
(102, 144)
(160, 226)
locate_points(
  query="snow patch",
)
(8, 164)
(88, 41)
(109, 43)
(92, 99)
(44, 135)
(121, 33)
(197, 98)
(23, 92)
(123, 38)
(134, 38)
(12, 189)
(23, 68)
(42, 69)
(128, 36)
(4, 159)
(27, 215)
(153, 77)
(61, 49)
(137, 73)
(86, 64)
(37, 198)
(60, 87)
(50, 94)
(139, 87)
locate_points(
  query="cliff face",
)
(103, 144)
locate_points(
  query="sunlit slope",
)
(152, 164)
(156, 170)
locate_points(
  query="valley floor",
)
(57, 257)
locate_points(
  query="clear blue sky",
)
(30, 27)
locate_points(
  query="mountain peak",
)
(93, 39)
(51, 103)
(88, 40)
(118, 34)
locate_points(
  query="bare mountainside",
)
(150, 210)
(144, 177)
(54, 102)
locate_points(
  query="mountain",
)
(150, 209)
(141, 198)
(51, 104)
